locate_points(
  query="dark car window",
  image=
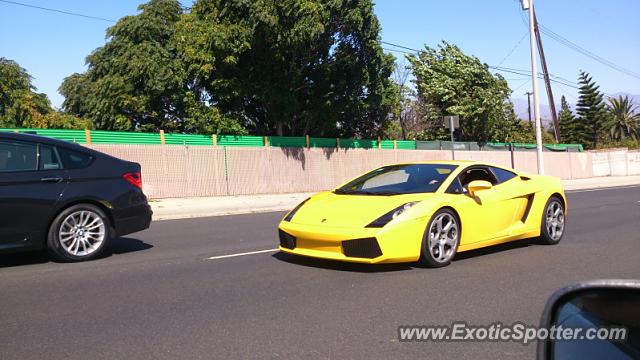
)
(74, 159)
(455, 187)
(399, 179)
(18, 156)
(49, 158)
(477, 173)
(502, 174)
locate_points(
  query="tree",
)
(450, 82)
(291, 67)
(22, 106)
(19, 103)
(137, 80)
(567, 122)
(593, 126)
(626, 122)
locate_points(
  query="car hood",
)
(353, 211)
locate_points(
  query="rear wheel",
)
(553, 219)
(441, 239)
(79, 233)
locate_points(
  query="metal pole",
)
(534, 79)
(453, 154)
(529, 93)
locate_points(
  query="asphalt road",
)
(156, 295)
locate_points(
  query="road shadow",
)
(118, 246)
(124, 245)
(513, 245)
(377, 268)
(339, 265)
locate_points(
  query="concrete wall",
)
(185, 171)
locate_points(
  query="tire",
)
(79, 233)
(438, 247)
(553, 221)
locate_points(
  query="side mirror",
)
(478, 185)
(593, 320)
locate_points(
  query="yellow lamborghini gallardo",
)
(425, 211)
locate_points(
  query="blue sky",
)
(52, 46)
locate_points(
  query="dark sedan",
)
(65, 197)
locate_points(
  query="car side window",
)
(18, 156)
(477, 173)
(74, 159)
(455, 187)
(502, 174)
(49, 158)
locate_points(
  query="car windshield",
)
(399, 179)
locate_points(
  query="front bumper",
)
(390, 244)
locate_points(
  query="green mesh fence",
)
(121, 137)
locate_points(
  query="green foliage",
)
(626, 122)
(450, 82)
(291, 67)
(19, 103)
(594, 121)
(137, 80)
(21, 106)
(568, 124)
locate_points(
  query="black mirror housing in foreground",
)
(611, 308)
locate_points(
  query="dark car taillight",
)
(134, 178)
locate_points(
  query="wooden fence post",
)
(379, 143)
(307, 139)
(162, 137)
(214, 139)
(87, 135)
(395, 144)
(266, 141)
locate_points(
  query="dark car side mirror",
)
(602, 316)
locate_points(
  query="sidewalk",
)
(182, 208)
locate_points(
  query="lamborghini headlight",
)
(294, 211)
(384, 219)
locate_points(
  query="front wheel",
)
(553, 219)
(78, 233)
(441, 239)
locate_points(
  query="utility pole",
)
(528, 4)
(529, 93)
(547, 81)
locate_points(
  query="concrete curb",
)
(186, 208)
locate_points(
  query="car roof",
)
(443, 162)
(461, 163)
(41, 139)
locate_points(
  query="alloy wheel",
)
(443, 237)
(82, 232)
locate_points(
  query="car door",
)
(31, 182)
(489, 214)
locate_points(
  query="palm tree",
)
(626, 121)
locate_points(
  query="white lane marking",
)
(604, 188)
(242, 254)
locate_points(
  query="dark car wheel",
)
(79, 233)
(441, 239)
(552, 227)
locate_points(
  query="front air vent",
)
(287, 241)
(367, 248)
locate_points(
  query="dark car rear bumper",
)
(139, 219)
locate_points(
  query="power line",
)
(513, 49)
(58, 11)
(522, 72)
(568, 43)
(400, 46)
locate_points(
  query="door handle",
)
(54, 179)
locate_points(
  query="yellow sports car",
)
(425, 211)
